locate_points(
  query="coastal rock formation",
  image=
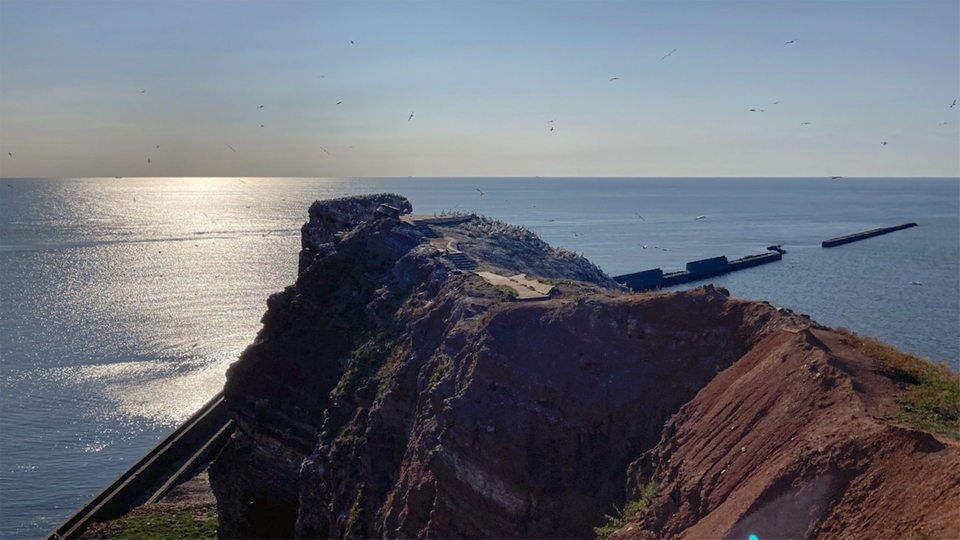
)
(796, 440)
(394, 391)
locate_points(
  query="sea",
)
(123, 300)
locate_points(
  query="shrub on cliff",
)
(632, 508)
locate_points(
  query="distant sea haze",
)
(124, 300)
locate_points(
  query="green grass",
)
(632, 508)
(443, 364)
(932, 400)
(506, 292)
(186, 524)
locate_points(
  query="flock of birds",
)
(261, 107)
(551, 124)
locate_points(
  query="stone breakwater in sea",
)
(393, 391)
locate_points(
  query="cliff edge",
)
(455, 376)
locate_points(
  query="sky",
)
(319, 88)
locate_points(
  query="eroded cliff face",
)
(395, 392)
(797, 439)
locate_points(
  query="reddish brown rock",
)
(394, 393)
(797, 439)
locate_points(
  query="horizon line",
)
(450, 177)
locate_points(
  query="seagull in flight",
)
(10, 154)
(259, 106)
(614, 78)
(952, 105)
(482, 193)
(639, 216)
(339, 102)
(231, 148)
(668, 54)
(324, 150)
(883, 143)
(791, 41)
(409, 118)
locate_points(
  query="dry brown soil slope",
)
(797, 439)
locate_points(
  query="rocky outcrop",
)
(394, 393)
(796, 440)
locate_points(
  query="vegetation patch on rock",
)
(613, 523)
(932, 401)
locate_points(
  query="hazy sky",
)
(496, 88)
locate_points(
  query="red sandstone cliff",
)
(797, 439)
(394, 392)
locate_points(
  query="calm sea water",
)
(122, 301)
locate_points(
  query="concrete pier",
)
(695, 270)
(840, 240)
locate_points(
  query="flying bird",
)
(339, 102)
(614, 78)
(668, 54)
(158, 147)
(482, 193)
(804, 123)
(148, 161)
(351, 42)
(324, 150)
(551, 128)
(10, 154)
(698, 218)
(883, 143)
(409, 118)
(791, 41)
(639, 216)
(952, 105)
(231, 148)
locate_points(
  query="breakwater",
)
(695, 270)
(840, 240)
(175, 459)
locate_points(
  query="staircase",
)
(461, 261)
